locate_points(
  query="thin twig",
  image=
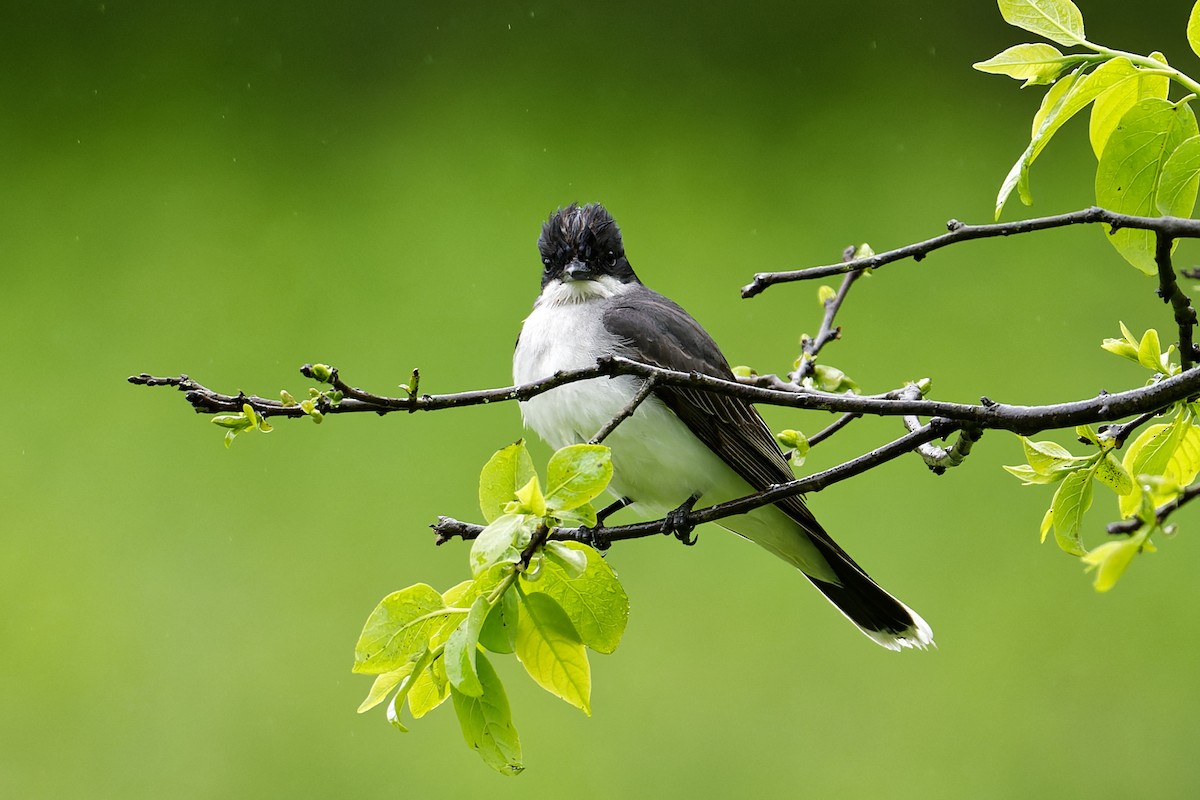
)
(1160, 514)
(827, 333)
(1119, 433)
(1173, 227)
(831, 429)
(642, 393)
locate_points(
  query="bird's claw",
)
(598, 538)
(676, 523)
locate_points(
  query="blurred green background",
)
(233, 189)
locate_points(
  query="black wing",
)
(657, 331)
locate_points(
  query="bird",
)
(681, 445)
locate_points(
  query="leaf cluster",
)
(1147, 147)
(1157, 467)
(546, 602)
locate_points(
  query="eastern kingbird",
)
(681, 445)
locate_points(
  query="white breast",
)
(656, 459)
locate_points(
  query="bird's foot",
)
(597, 537)
(676, 522)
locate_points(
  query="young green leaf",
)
(1150, 351)
(1121, 348)
(383, 686)
(583, 516)
(1049, 457)
(398, 629)
(499, 630)
(500, 542)
(461, 649)
(1127, 178)
(1110, 472)
(1045, 122)
(1150, 454)
(429, 689)
(486, 722)
(595, 602)
(1047, 523)
(1034, 64)
(505, 472)
(1127, 84)
(1057, 20)
(407, 684)
(530, 499)
(1031, 477)
(1071, 501)
(1111, 558)
(1180, 180)
(572, 561)
(577, 475)
(552, 652)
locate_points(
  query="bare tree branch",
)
(1025, 420)
(448, 528)
(1181, 304)
(1168, 227)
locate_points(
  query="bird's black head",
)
(583, 243)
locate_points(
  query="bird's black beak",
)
(578, 271)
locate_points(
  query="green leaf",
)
(1111, 558)
(486, 723)
(407, 684)
(398, 629)
(530, 499)
(595, 602)
(1033, 63)
(1150, 454)
(552, 652)
(577, 475)
(1031, 477)
(1071, 501)
(500, 542)
(499, 630)
(506, 471)
(461, 648)
(429, 690)
(1150, 351)
(1062, 102)
(1110, 472)
(1057, 20)
(1180, 180)
(1047, 523)
(383, 686)
(1193, 29)
(572, 561)
(1048, 457)
(1047, 120)
(583, 516)
(1115, 103)
(1121, 348)
(1127, 178)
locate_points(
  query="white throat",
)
(564, 293)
